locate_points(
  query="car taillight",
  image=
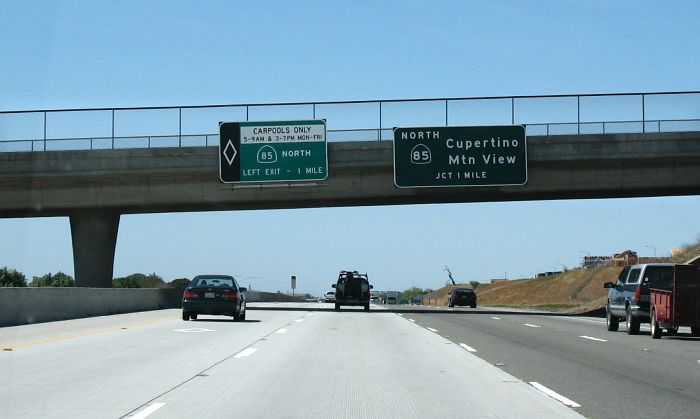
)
(230, 295)
(638, 294)
(191, 294)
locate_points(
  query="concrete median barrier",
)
(35, 305)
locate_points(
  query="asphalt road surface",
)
(286, 363)
(610, 374)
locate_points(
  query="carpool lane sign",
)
(460, 156)
(274, 151)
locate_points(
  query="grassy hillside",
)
(688, 251)
(575, 291)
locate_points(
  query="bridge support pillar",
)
(94, 234)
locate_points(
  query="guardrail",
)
(185, 126)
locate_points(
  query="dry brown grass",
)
(688, 252)
(575, 290)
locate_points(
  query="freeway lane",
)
(607, 373)
(107, 366)
(276, 364)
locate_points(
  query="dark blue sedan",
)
(213, 294)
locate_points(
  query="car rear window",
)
(212, 282)
(634, 276)
(462, 293)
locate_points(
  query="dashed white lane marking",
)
(531, 325)
(195, 330)
(148, 411)
(400, 314)
(592, 338)
(495, 318)
(280, 331)
(411, 320)
(467, 347)
(431, 329)
(298, 320)
(554, 395)
(245, 352)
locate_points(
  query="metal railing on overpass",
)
(187, 126)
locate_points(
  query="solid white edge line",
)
(279, 331)
(554, 395)
(431, 329)
(245, 352)
(148, 411)
(467, 347)
(578, 319)
(592, 338)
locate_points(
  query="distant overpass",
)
(94, 187)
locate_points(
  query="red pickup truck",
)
(676, 302)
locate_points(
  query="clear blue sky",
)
(134, 53)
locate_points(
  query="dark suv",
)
(462, 297)
(352, 289)
(628, 297)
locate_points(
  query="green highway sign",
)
(275, 151)
(460, 156)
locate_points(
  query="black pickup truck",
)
(352, 289)
(628, 297)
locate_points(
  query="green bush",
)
(412, 292)
(139, 280)
(181, 283)
(126, 282)
(12, 278)
(58, 280)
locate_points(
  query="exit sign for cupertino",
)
(460, 156)
(273, 151)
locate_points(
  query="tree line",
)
(13, 278)
(413, 292)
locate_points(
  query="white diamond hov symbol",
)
(230, 149)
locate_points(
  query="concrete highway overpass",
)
(94, 187)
